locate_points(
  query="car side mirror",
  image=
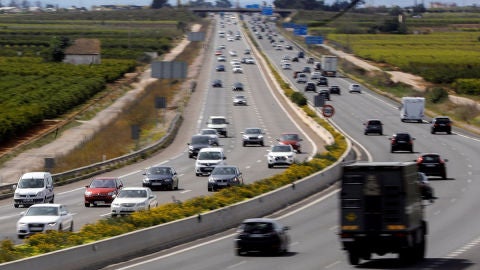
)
(14, 187)
(286, 228)
(446, 160)
(63, 213)
(224, 157)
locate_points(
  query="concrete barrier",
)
(120, 248)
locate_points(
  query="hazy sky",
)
(89, 3)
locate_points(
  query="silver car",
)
(239, 100)
(44, 217)
(131, 199)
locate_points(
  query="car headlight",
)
(211, 180)
(51, 224)
(260, 136)
(190, 147)
(88, 193)
(146, 180)
(111, 193)
(115, 204)
(245, 137)
(39, 194)
(290, 156)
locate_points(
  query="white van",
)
(207, 159)
(412, 109)
(32, 188)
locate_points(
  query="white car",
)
(354, 88)
(131, 199)
(237, 69)
(235, 62)
(286, 66)
(212, 133)
(233, 53)
(43, 217)
(281, 155)
(239, 100)
(221, 58)
(302, 78)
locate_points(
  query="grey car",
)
(224, 176)
(252, 136)
(239, 100)
(373, 126)
(160, 177)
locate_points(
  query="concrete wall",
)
(119, 248)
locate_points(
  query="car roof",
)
(135, 188)
(249, 220)
(211, 149)
(46, 204)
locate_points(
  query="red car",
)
(102, 190)
(292, 139)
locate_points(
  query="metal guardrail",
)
(108, 165)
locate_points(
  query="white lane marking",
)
(236, 265)
(332, 264)
(185, 191)
(225, 236)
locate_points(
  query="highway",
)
(453, 223)
(263, 111)
(454, 232)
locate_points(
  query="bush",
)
(299, 99)
(467, 86)
(437, 94)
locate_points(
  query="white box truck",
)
(412, 109)
(329, 65)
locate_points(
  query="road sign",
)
(268, 11)
(310, 40)
(328, 111)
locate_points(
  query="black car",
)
(441, 124)
(217, 83)
(373, 126)
(335, 89)
(401, 141)
(294, 59)
(224, 176)
(307, 70)
(238, 86)
(322, 81)
(161, 177)
(325, 93)
(220, 68)
(198, 142)
(288, 47)
(310, 60)
(432, 164)
(310, 86)
(261, 235)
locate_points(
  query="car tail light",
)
(441, 161)
(419, 160)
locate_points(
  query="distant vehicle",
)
(301, 54)
(247, 51)
(102, 190)
(32, 188)
(307, 70)
(208, 159)
(212, 133)
(238, 86)
(232, 53)
(292, 139)
(401, 141)
(354, 88)
(441, 124)
(288, 47)
(44, 217)
(237, 70)
(286, 57)
(281, 155)
(325, 93)
(250, 60)
(220, 68)
(295, 59)
(132, 199)
(335, 89)
(221, 58)
(239, 100)
(412, 109)
(286, 66)
(373, 126)
(219, 123)
(310, 60)
(322, 81)
(432, 164)
(224, 176)
(261, 235)
(315, 75)
(329, 65)
(301, 78)
(252, 136)
(217, 83)
(310, 87)
(161, 177)
(198, 142)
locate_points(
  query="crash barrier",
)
(120, 248)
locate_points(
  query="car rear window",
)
(374, 122)
(442, 120)
(430, 158)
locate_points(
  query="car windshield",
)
(257, 227)
(442, 120)
(132, 193)
(209, 132)
(290, 137)
(103, 183)
(200, 140)
(31, 183)
(240, 97)
(430, 159)
(374, 122)
(253, 131)
(159, 170)
(218, 121)
(42, 211)
(223, 171)
(209, 156)
(281, 148)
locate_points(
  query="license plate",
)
(36, 229)
(208, 169)
(255, 235)
(157, 184)
(28, 200)
(222, 184)
(429, 165)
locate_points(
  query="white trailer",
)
(329, 65)
(412, 109)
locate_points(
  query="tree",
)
(156, 4)
(56, 50)
(223, 4)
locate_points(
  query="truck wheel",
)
(421, 249)
(353, 257)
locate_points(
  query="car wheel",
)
(114, 215)
(411, 150)
(261, 144)
(190, 156)
(270, 165)
(449, 132)
(391, 151)
(176, 187)
(87, 204)
(172, 186)
(60, 228)
(244, 144)
(197, 174)
(71, 227)
(239, 252)
(52, 200)
(444, 176)
(15, 205)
